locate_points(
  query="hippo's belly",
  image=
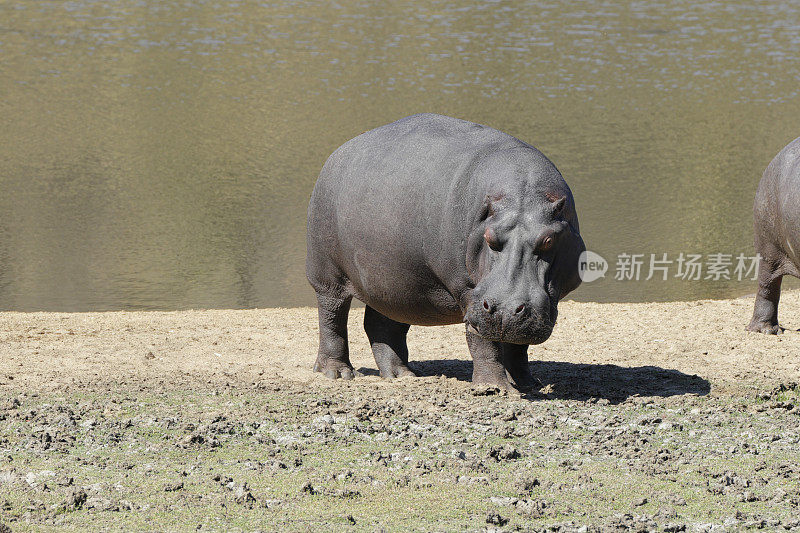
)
(403, 289)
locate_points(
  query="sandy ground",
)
(41, 351)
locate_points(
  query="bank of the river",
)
(663, 415)
(44, 351)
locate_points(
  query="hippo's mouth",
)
(535, 333)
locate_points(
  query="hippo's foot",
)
(333, 368)
(522, 381)
(761, 326)
(483, 380)
(392, 367)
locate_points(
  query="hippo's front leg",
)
(333, 358)
(515, 359)
(487, 362)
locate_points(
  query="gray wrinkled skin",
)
(433, 220)
(777, 235)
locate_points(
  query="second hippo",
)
(776, 214)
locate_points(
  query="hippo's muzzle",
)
(512, 321)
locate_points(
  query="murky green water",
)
(160, 154)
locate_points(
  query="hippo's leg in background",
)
(765, 313)
(333, 358)
(515, 359)
(388, 341)
(487, 362)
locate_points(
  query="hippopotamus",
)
(432, 220)
(776, 216)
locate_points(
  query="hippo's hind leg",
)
(765, 313)
(515, 359)
(488, 366)
(388, 340)
(333, 358)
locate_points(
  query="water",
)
(160, 155)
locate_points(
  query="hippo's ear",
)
(557, 205)
(487, 209)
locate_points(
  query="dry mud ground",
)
(649, 417)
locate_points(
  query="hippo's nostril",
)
(486, 305)
(519, 309)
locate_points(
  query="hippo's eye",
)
(545, 244)
(491, 239)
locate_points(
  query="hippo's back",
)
(417, 147)
(784, 168)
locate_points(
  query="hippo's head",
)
(523, 258)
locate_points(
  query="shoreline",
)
(704, 338)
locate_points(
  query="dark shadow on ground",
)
(583, 381)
